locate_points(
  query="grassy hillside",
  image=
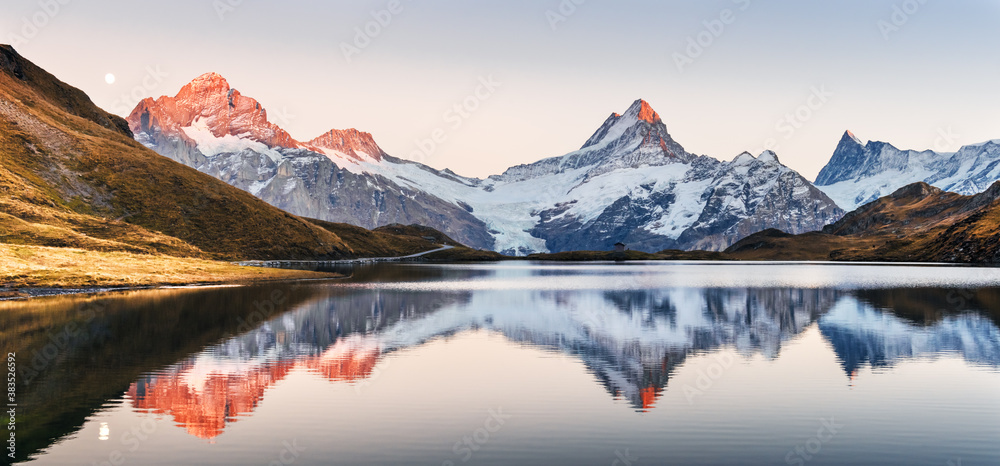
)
(391, 241)
(72, 176)
(418, 231)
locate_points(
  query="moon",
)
(109, 78)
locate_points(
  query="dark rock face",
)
(621, 221)
(849, 160)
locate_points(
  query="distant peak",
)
(641, 125)
(644, 112)
(212, 77)
(849, 136)
(224, 111)
(208, 83)
(355, 144)
(768, 156)
(743, 159)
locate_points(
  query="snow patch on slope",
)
(211, 145)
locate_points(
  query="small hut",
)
(620, 247)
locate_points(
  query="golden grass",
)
(47, 267)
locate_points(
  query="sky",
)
(500, 83)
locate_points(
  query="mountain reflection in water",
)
(630, 340)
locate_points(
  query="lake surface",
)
(521, 363)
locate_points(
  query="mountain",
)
(72, 176)
(213, 128)
(860, 173)
(916, 223)
(631, 181)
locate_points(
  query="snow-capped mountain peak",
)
(210, 104)
(743, 159)
(644, 112)
(633, 138)
(208, 83)
(350, 144)
(769, 156)
(639, 114)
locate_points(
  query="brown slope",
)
(917, 223)
(915, 207)
(71, 175)
(386, 242)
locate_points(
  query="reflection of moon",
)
(105, 431)
(110, 78)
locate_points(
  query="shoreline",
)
(33, 271)
(28, 293)
(245, 273)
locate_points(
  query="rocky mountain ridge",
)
(631, 181)
(859, 173)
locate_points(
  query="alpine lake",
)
(523, 363)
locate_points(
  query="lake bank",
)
(30, 271)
